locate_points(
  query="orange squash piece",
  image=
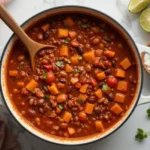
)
(120, 73)
(68, 68)
(75, 60)
(101, 76)
(116, 108)
(83, 88)
(45, 27)
(98, 52)
(31, 85)
(64, 51)
(122, 86)
(125, 63)
(99, 125)
(119, 97)
(71, 131)
(67, 116)
(89, 108)
(69, 22)
(13, 73)
(99, 93)
(62, 33)
(53, 89)
(83, 97)
(72, 34)
(109, 53)
(89, 56)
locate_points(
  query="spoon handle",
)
(8, 19)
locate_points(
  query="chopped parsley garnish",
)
(76, 71)
(66, 41)
(104, 87)
(80, 101)
(80, 58)
(85, 25)
(59, 63)
(45, 75)
(20, 66)
(148, 112)
(46, 97)
(60, 106)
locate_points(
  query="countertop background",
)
(123, 138)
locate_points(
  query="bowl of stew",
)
(81, 91)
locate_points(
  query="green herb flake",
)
(46, 97)
(105, 87)
(68, 61)
(59, 63)
(148, 112)
(141, 134)
(20, 66)
(85, 25)
(76, 71)
(66, 41)
(45, 75)
(80, 101)
(60, 106)
(80, 58)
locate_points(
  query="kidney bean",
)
(110, 96)
(79, 50)
(31, 112)
(63, 80)
(91, 99)
(108, 71)
(75, 43)
(46, 35)
(97, 109)
(88, 68)
(64, 125)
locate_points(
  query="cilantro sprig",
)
(45, 75)
(59, 63)
(141, 134)
(148, 112)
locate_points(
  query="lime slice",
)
(137, 5)
(145, 20)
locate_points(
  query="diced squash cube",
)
(20, 84)
(13, 73)
(89, 108)
(99, 93)
(67, 116)
(74, 80)
(71, 131)
(101, 76)
(89, 56)
(62, 33)
(69, 22)
(122, 86)
(99, 125)
(116, 108)
(72, 34)
(119, 97)
(75, 59)
(98, 52)
(83, 88)
(125, 63)
(83, 97)
(120, 73)
(61, 98)
(53, 89)
(68, 68)
(45, 27)
(64, 51)
(31, 85)
(109, 53)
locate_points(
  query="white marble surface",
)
(123, 139)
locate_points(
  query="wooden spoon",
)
(32, 46)
(145, 66)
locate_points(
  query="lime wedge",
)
(137, 5)
(145, 20)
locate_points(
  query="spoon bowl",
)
(143, 62)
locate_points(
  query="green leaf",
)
(66, 41)
(148, 112)
(46, 97)
(59, 63)
(104, 87)
(45, 75)
(76, 71)
(85, 25)
(80, 101)
(141, 134)
(140, 130)
(60, 106)
(80, 58)
(20, 66)
(68, 61)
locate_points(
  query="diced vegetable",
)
(13, 73)
(83, 88)
(120, 73)
(99, 125)
(72, 34)
(75, 60)
(112, 81)
(71, 131)
(61, 98)
(109, 54)
(93, 82)
(89, 56)
(125, 63)
(60, 85)
(67, 116)
(45, 27)
(78, 85)
(122, 86)
(69, 22)
(101, 76)
(116, 108)
(99, 93)
(74, 80)
(62, 33)
(20, 84)
(64, 51)
(49, 77)
(119, 97)
(98, 52)
(31, 85)
(83, 97)
(82, 116)
(89, 108)
(68, 68)
(53, 89)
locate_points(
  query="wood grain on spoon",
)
(143, 62)
(32, 46)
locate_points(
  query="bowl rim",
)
(138, 56)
